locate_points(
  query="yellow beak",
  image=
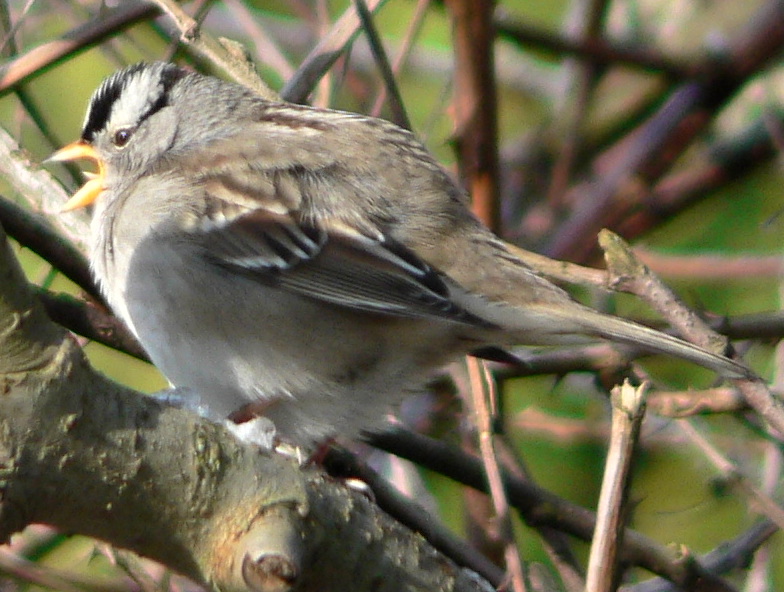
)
(94, 186)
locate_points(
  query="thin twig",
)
(482, 392)
(712, 267)
(628, 410)
(322, 96)
(539, 506)
(578, 101)
(763, 325)
(267, 51)
(8, 38)
(760, 570)
(723, 161)
(229, 57)
(91, 321)
(34, 62)
(341, 463)
(728, 556)
(564, 271)
(28, 101)
(399, 115)
(56, 579)
(742, 484)
(653, 147)
(403, 52)
(41, 191)
(323, 56)
(628, 274)
(634, 277)
(200, 9)
(596, 49)
(557, 544)
(696, 402)
(35, 232)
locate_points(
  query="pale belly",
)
(320, 370)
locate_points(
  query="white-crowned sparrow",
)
(317, 262)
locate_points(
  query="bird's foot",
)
(258, 430)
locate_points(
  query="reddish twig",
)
(578, 104)
(723, 161)
(712, 267)
(475, 105)
(267, 51)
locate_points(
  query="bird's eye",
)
(121, 137)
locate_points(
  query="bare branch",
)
(628, 404)
(475, 105)
(652, 148)
(538, 506)
(35, 61)
(226, 55)
(482, 391)
(634, 277)
(759, 500)
(326, 52)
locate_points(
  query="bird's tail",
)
(566, 321)
(624, 331)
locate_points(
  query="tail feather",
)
(570, 322)
(550, 317)
(634, 334)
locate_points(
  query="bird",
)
(314, 266)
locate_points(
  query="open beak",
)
(94, 186)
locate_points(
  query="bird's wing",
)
(333, 263)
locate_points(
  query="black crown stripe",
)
(109, 92)
(103, 100)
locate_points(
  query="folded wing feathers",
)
(262, 240)
(338, 265)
